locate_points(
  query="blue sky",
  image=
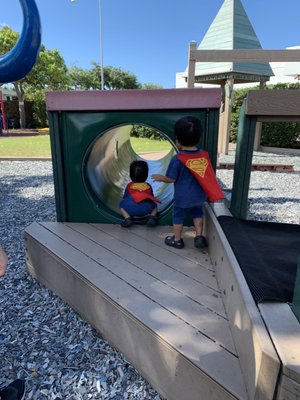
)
(147, 37)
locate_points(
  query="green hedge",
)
(142, 131)
(279, 134)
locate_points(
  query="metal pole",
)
(101, 46)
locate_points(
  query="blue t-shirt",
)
(187, 191)
(137, 209)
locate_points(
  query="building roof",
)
(231, 29)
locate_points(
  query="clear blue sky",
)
(147, 37)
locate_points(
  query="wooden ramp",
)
(161, 307)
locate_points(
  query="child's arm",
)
(161, 178)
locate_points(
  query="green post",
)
(296, 298)
(243, 161)
(211, 135)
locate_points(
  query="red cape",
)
(200, 166)
(141, 191)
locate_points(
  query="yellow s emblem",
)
(140, 186)
(198, 165)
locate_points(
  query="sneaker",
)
(152, 221)
(170, 241)
(200, 242)
(14, 391)
(127, 222)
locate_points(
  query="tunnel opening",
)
(107, 160)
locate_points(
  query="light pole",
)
(101, 45)
(101, 42)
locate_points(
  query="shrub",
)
(142, 131)
(281, 134)
(275, 134)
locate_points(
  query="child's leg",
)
(177, 230)
(176, 240)
(124, 213)
(154, 212)
(198, 224)
(197, 215)
(152, 219)
(127, 218)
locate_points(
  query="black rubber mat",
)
(268, 255)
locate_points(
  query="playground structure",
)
(136, 293)
(240, 57)
(91, 145)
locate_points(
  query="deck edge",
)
(259, 361)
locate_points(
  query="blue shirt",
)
(137, 209)
(187, 191)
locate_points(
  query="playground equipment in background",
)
(16, 63)
(91, 150)
(243, 56)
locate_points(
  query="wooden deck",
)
(162, 308)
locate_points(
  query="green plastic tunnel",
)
(106, 168)
(92, 150)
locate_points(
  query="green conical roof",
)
(231, 30)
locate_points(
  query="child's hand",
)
(157, 177)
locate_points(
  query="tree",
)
(151, 86)
(81, 79)
(114, 78)
(49, 73)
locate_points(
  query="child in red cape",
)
(194, 181)
(138, 199)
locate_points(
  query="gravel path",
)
(273, 196)
(41, 338)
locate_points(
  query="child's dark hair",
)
(138, 171)
(188, 131)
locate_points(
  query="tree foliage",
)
(51, 73)
(114, 78)
(8, 38)
(275, 134)
(48, 73)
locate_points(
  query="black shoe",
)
(152, 221)
(14, 391)
(170, 241)
(127, 222)
(200, 242)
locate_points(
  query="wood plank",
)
(285, 332)
(288, 389)
(140, 274)
(125, 100)
(199, 258)
(274, 103)
(260, 167)
(217, 363)
(245, 55)
(194, 263)
(182, 262)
